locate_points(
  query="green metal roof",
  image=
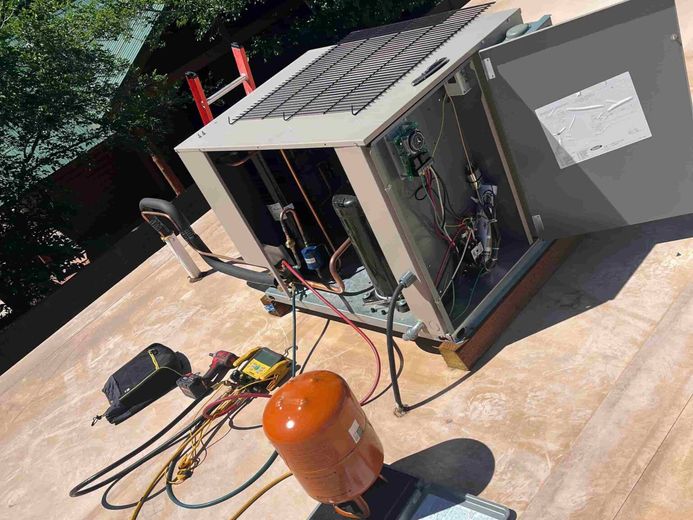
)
(127, 47)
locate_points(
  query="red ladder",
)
(245, 78)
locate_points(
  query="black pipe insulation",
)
(401, 408)
(192, 238)
(405, 281)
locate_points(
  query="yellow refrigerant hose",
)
(193, 441)
(258, 495)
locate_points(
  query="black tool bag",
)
(141, 381)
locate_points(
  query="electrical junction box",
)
(581, 127)
(458, 84)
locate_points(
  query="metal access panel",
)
(595, 118)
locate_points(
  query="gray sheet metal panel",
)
(496, 133)
(222, 203)
(484, 154)
(394, 239)
(494, 297)
(353, 307)
(648, 180)
(416, 216)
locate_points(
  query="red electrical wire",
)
(350, 323)
(460, 229)
(207, 412)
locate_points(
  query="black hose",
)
(82, 489)
(255, 277)
(172, 465)
(192, 238)
(401, 408)
(119, 507)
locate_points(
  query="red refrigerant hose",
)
(350, 323)
(208, 412)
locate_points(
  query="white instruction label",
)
(276, 210)
(355, 431)
(594, 121)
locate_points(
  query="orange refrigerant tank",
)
(320, 430)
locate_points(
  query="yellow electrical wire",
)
(258, 495)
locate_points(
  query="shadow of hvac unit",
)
(450, 153)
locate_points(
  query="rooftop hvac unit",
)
(439, 147)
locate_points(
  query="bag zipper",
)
(151, 355)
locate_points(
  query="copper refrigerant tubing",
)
(282, 219)
(308, 202)
(147, 214)
(290, 243)
(334, 272)
(244, 160)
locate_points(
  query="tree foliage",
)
(326, 22)
(59, 95)
(58, 87)
(311, 23)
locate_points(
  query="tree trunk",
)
(165, 169)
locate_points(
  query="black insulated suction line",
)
(192, 238)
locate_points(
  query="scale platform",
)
(404, 497)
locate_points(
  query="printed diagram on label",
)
(594, 121)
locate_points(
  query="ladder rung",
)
(228, 88)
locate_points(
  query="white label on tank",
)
(355, 431)
(594, 121)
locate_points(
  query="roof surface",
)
(127, 47)
(579, 411)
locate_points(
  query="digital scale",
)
(398, 496)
